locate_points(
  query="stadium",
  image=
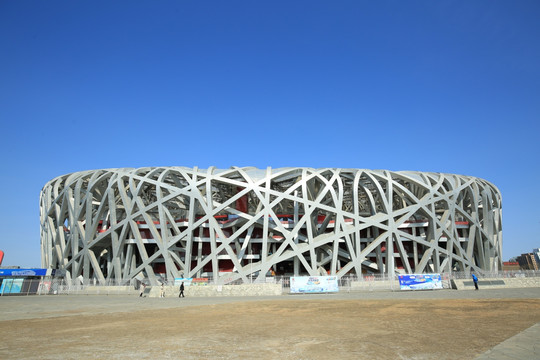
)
(243, 224)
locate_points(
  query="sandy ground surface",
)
(280, 328)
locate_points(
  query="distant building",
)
(527, 261)
(536, 253)
(511, 266)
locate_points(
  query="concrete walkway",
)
(525, 345)
(45, 306)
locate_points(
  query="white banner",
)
(186, 281)
(314, 284)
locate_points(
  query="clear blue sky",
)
(443, 86)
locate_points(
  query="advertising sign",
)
(420, 282)
(17, 286)
(6, 286)
(23, 272)
(199, 282)
(44, 287)
(186, 281)
(11, 286)
(314, 284)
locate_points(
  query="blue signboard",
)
(420, 282)
(23, 272)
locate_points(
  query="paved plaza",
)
(523, 345)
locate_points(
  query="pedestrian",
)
(142, 287)
(181, 290)
(475, 280)
(162, 293)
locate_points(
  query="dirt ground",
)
(317, 329)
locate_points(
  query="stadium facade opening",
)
(240, 224)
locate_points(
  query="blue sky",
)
(443, 86)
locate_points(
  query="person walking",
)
(162, 293)
(143, 286)
(475, 280)
(181, 290)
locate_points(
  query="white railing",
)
(497, 274)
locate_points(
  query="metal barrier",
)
(367, 282)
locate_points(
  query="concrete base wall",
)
(466, 284)
(268, 289)
(107, 290)
(374, 285)
(219, 290)
(460, 284)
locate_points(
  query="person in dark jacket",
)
(475, 280)
(181, 290)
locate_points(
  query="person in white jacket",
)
(162, 292)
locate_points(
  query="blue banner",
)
(23, 272)
(420, 282)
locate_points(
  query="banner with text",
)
(420, 282)
(314, 284)
(25, 272)
(186, 281)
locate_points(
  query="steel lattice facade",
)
(240, 224)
